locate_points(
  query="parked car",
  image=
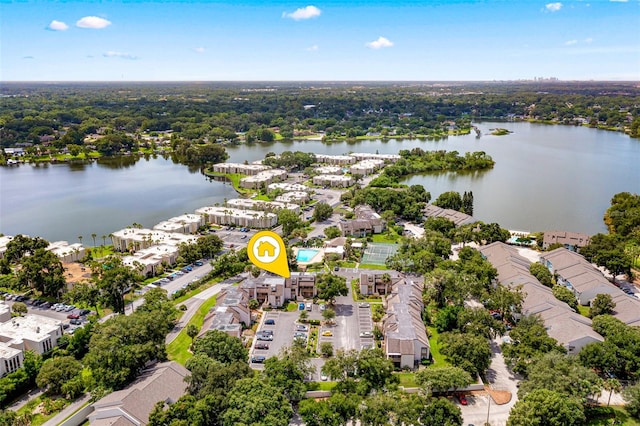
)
(258, 359)
(270, 322)
(323, 377)
(198, 263)
(261, 345)
(265, 337)
(301, 327)
(363, 305)
(300, 334)
(73, 316)
(75, 321)
(301, 306)
(269, 332)
(327, 333)
(366, 334)
(84, 312)
(323, 307)
(462, 399)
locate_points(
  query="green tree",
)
(22, 245)
(42, 271)
(449, 200)
(443, 379)
(441, 411)
(632, 397)
(543, 275)
(220, 346)
(329, 314)
(326, 349)
(192, 332)
(565, 295)
(253, 402)
(471, 353)
(19, 308)
(467, 203)
(113, 280)
(318, 413)
(289, 221)
(602, 304)
(329, 286)
(332, 232)
(544, 407)
(56, 372)
(612, 385)
(322, 211)
(286, 374)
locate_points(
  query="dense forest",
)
(64, 114)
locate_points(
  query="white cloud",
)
(112, 54)
(553, 7)
(94, 22)
(58, 26)
(307, 12)
(28, 57)
(313, 48)
(379, 43)
(199, 49)
(570, 42)
(588, 40)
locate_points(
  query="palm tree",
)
(94, 235)
(612, 385)
(80, 238)
(104, 240)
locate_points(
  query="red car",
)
(73, 316)
(462, 399)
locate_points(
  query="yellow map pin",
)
(266, 250)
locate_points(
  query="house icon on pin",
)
(266, 249)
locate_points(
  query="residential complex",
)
(67, 252)
(366, 221)
(405, 337)
(570, 329)
(340, 181)
(132, 405)
(328, 170)
(230, 313)
(238, 217)
(185, 224)
(250, 204)
(341, 160)
(380, 283)
(272, 290)
(570, 240)
(263, 179)
(458, 218)
(237, 168)
(366, 167)
(140, 238)
(387, 158)
(286, 186)
(298, 197)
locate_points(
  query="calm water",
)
(546, 177)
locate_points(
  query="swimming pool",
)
(305, 255)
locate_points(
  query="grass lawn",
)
(387, 237)
(321, 386)
(262, 197)
(438, 358)
(623, 418)
(292, 307)
(102, 251)
(372, 266)
(178, 350)
(408, 380)
(37, 419)
(347, 264)
(583, 310)
(234, 178)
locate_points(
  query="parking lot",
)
(70, 316)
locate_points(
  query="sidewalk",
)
(68, 410)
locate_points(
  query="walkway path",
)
(68, 410)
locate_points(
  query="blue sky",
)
(319, 40)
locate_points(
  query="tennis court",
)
(377, 253)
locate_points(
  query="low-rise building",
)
(237, 217)
(328, 170)
(299, 197)
(366, 167)
(286, 186)
(134, 239)
(67, 252)
(263, 179)
(568, 328)
(273, 290)
(341, 181)
(570, 240)
(230, 313)
(31, 333)
(150, 258)
(10, 359)
(387, 158)
(341, 160)
(405, 337)
(4, 240)
(184, 224)
(261, 205)
(131, 406)
(238, 168)
(380, 283)
(458, 218)
(366, 221)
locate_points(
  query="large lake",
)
(545, 177)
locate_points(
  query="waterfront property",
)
(405, 336)
(184, 224)
(67, 252)
(568, 328)
(237, 217)
(458, 218)
(298, 197)
(149, 259)
(286, 186)
(578, 275)
(570, 240)
(4, 240)
(328, 170)
(237, 168)
(136, 239)
(387, 158)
